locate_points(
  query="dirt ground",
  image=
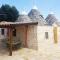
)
(29, 54)
(21, 54)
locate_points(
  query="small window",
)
(46, 35)
(2, 31)
(14, 32)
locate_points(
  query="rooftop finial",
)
(34, 4)
(35, 7)
(51, 12)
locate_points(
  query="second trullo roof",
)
(50, 19)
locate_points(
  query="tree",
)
(8, 13)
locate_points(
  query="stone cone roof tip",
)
(34, 12)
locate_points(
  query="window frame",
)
(2, 31)
(46, 35)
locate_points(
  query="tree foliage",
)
(8, 13)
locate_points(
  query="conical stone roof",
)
(50, 19)
(23, 18)
(35, 15)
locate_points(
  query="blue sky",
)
(44, 6)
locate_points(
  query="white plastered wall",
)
(44, 43)
(47, 45)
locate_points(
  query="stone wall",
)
(21, 34)
(32, 37)
(35, 37)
